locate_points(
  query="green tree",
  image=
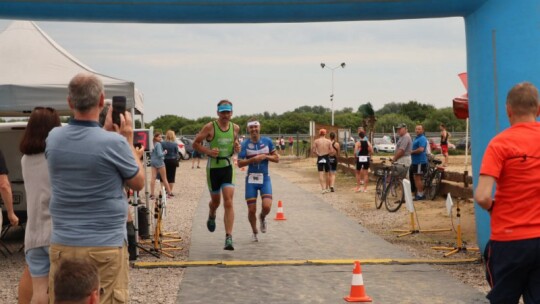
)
(389, 108)
(416, 111)
(386, 122)
(446, 116)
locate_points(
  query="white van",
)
(10, 136)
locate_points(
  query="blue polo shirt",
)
(87, 168)
(419, 158)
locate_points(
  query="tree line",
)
(297, 121)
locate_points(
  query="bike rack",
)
(410, 207)
(460, 245)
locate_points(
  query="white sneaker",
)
(254, 237)
(263, 224)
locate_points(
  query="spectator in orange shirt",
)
(512, 163)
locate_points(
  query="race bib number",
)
(363, 159)
(255, 178)
(322, 161)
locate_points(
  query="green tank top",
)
(224, 141)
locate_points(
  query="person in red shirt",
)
(512, 163)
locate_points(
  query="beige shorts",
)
(112, 264)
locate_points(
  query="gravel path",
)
(161, 285)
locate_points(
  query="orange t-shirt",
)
(513, 159)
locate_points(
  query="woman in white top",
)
(38, 193)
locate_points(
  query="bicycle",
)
(433, 177)
(389, 188)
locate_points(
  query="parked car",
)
(350, 143)
(182, 153)
(435, 144)
(461, 144)
(383, 145)
(188, 144)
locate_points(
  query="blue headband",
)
(224, 107)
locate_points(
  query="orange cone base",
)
(357, 299)
(280, 217)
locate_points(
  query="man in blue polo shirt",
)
(88, 167)
(419, 161)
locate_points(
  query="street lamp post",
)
(342, 65)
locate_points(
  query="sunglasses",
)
(44, 108)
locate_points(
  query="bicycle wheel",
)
(394, 195)
(435, 185)
(379, 190)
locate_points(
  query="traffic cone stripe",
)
(357, 280)
(279, 215)
(358, 292)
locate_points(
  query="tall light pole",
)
(342, 65)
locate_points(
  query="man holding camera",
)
(88, 167)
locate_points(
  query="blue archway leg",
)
(502, 49)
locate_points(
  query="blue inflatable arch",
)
(503, 38)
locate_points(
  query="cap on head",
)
(225, 107)
(401, 125)
(322, 132)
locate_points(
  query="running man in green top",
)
(222, 135)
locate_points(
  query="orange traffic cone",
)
(358, 293)
(279, 215)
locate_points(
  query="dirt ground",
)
(430, 215)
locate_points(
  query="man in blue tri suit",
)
(255, 153)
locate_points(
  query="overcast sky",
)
(186, 69)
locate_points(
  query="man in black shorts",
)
(222, 136)
(333, 160)
(321, 147)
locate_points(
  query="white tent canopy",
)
(35, 71)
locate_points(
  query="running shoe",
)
(228, 243)
(332, 189)
(263, 223)
(254, 238)
(211, 223)
(419, 197)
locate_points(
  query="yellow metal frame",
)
(162, 241)
(413, 229)
(460, 247)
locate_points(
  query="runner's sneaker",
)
(332, 189)
(211, 223)
(263, 223)
(228, 243)
(254, 237)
